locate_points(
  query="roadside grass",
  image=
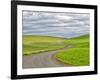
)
(78, 55)
(38, 44)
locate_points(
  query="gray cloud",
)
(55, 24)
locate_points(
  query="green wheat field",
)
(74, 51)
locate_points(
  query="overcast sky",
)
(65, 25)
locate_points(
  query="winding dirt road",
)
(42, 60)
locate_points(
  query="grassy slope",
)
(79, 54)
(37, 44)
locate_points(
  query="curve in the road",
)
(42, 60)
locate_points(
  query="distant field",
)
(79, 54)
(37, 44)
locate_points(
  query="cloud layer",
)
(65, 25)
